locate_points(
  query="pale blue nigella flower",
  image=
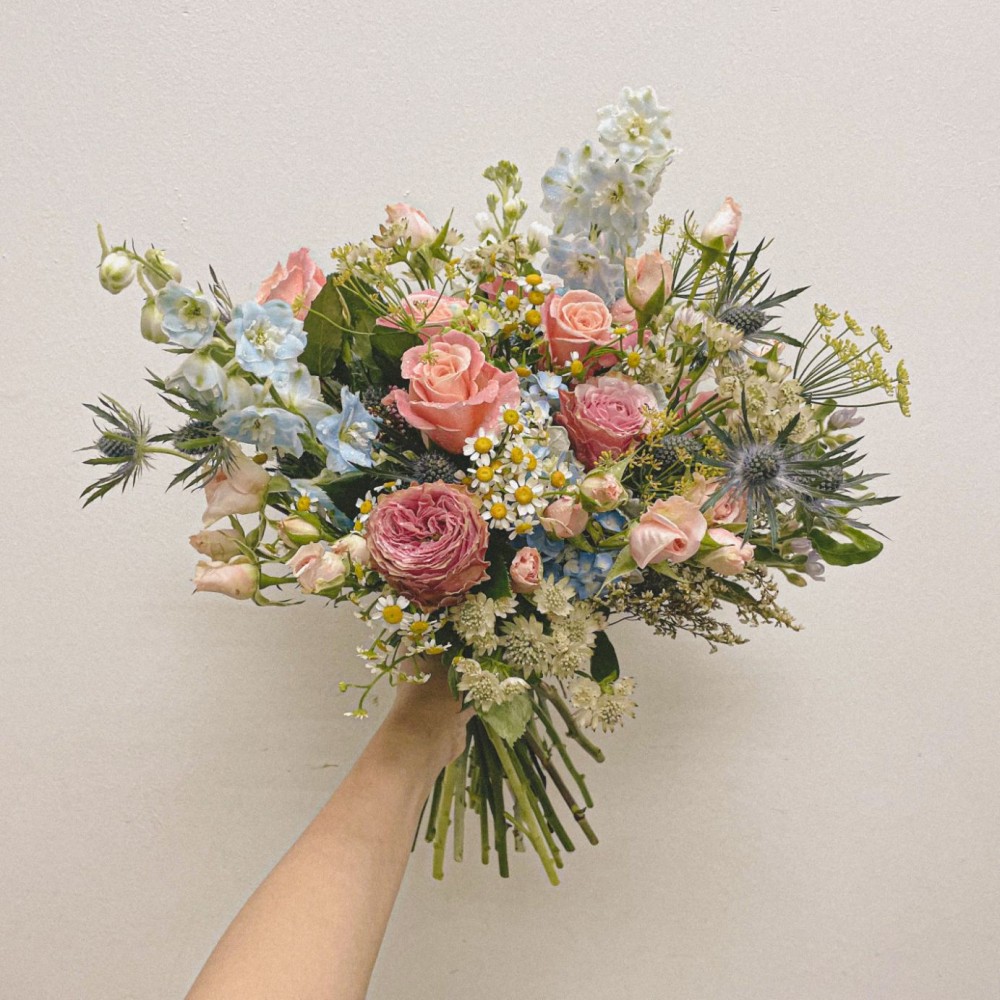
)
(348, 435)
(188, 318)
(268, 338)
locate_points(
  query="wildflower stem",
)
(461, 766)
(443, 820)
(564, 753)
(574, 730)
(545, 758)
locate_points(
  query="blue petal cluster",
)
(268, 338)
(266, 427)
(348, 435)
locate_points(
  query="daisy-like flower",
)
(390, 610)
(481, 447)
(554, 597)
(524, 495)
(484, 479)
(497, 513)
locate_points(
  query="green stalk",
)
(545, 758)
(432, 816)
(525, 760)
(443, 819)
(557, 742)
(493, 781)
(459, 835)
(552, 696)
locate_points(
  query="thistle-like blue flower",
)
(268, 338)
(189, 318)
(348, 435)
(266, 427)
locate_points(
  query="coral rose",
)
(298, 283)
(605, 414)
(432, 312)
(429, 543)
(669, 530)
(453, 391)
(526, 570)
(576, 321)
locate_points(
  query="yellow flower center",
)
(523, 529)
(576, 368)
(532, 462)
(634, 359)
(533, 316)
(517, 455)
(558, 479)
(536, 298)
(511, 417)
(523, 370)
(533, 279)
(366, 506)
(419, 627)
(498, 510)
(512, 302)
(392, 614)
(524, 494)
(484, 473)
(303, 504)
(483, 445)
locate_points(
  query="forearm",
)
(314, 926)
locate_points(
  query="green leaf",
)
(604, 662)
(859, 549)
(345, 491)
(324, 324)
(498, 555)
(622, 566)
(510, 719)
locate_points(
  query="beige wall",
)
(810, 817)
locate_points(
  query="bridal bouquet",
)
(496, 449)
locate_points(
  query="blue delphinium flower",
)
(266, 427)
(188, 318)
(348, 435)
(582, 264)
(612, 521)
(268, 338)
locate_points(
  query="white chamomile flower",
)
(522, 526)
(480, 447)
(524, 494)
(390, 610)
(497, 513)
(484, 479)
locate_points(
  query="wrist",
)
(415, 749)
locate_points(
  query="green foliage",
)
(325, 324)
(510, 719)
(604, 662)
(498, 555)
(860, 549)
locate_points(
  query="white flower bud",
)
(151, 323)
(160, 264)
(484, 222)
(116, 272)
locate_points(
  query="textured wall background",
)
(810, 817)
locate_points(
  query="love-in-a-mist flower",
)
(188, 317)
(268, 338)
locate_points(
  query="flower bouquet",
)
(496, 450)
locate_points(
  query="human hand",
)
(426, 719)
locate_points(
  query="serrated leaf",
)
(604, 661)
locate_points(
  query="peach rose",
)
(239, 491)
(317, 568)
(218, 545)
(429, 543)
(724, 225)
(728, 509)
(236, 578)
(526, 570)
(453, 391)
(575, 321)
(431, 311)
(731, 558)
(668, 529)
(602, 490)
(298, 283)
(648, 281)
(354, 547)
(564, 518)
(416, 229)
(605, 414)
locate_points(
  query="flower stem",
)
(443, 819)
(545, 758)
(552, 696)
(564, 753)
(459, 836)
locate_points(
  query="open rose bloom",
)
(492, 450)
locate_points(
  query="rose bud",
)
(240, 491)
(116, 272)
(526, 571)
(297, 531)
(355, 548)
(669, 530)
(217, 544)
(602, 491)
(732, 556)
(236, 578)
(317, 568)
(724, 225)
(564, 518)
(648, 281)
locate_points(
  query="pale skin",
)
(313, 928)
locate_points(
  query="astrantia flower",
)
(268, 428)
(348, 435)
(636, 128)
(554, 597)
(525, 644)
(475, 616)
(268, 338)
(189, 318)
(596, 706)
(485, 688)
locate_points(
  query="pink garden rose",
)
(725, 224)
(453, 391)
(564, 518)
(317, 568)
(648, 281)
(526, 570)
(236, 578)
(575, 321)
(605, 414)
(429, 543)
(669, 529)
(732, 558)
(240, 491)
(431, 311)
(298, 283)
(417, 229)
(218, 545)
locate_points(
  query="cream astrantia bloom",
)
(475, 617)
(597, 707)
(554, 597)
(525, 644)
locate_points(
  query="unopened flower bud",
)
(117, 271)
(602, 491)
(151, 323)
(160, 264)
(297, 531)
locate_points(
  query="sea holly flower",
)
(268, 338)
(189, 318)
(348, 435)
(269, 428)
